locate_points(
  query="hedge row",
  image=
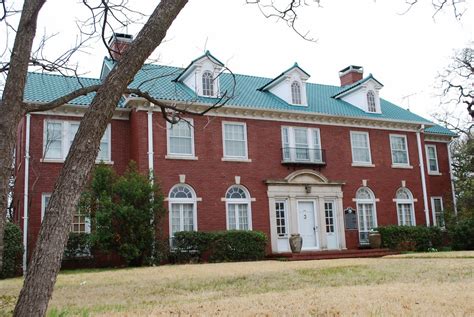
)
(219, 246)
(462, 235)
(410, 238)
(12, 252)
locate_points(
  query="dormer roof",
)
(303, 74)
(193, 64)
(350, 88)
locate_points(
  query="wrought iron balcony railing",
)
(303, 155)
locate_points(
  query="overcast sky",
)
(403, 51)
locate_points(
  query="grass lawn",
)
(440, 285)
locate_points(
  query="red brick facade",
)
(210, 176)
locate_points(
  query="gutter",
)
(423, 176)
(150, 142)
(25, 196)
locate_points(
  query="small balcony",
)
(303, 156)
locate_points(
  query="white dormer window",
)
(207, 84)
(296, 93)
(371, 107)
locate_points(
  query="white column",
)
(150, 142)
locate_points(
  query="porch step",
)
(333, 254)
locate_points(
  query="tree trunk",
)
(11, 106)
(46, 260)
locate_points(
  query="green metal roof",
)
(437, 129)
(158, 81)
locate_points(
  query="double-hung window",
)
(360, 148)
(398, 145)
(235, 140)
(182, 208)
(438, 211)
(58, 138)
(239, 216)
(405, 208)
(80, 221)
(301, 145)
(365, 201)
(432, 159)
(181, 138)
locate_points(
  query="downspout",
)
(423, 177)
(25, 196)
(150, 168)
(451, 175)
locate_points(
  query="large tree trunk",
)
(46, 260)
(11, 107)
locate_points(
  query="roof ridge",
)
(62, 76)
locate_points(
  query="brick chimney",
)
(118, 44)
(351, 74)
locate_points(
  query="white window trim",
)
(65, 141)
(172, 201)
(43, 204)
(361, 163)
(229, 201)
(433, 211)
(411, 202)
(87, 220)
(181, 156)
(372, 201)
(225, 157)
(430, 172)
(285, 204)
(400, 165)
(292, 145)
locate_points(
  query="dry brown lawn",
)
(413, 285)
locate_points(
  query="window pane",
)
(175, 218)
(53, 141)
(180, 138)
(399, 150)
(280, 218)
(234, 140)
(243, 217)
(360, 147)
(232, 220)
(188, 219)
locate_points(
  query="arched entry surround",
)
(302, 202)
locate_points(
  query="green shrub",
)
(410, 238)
(462, 235)
(238, 246)
(78, 245)
(12, 252)
(220, 246)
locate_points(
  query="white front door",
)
(307, 224)
(331, 225)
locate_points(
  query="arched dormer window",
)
(296, 93)
(365, 200)
(207, 84)
(239, 215)
(371, 102)
(182, 208)
(405, 208)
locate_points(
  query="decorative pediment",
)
(289, 86)
(202, 75)
(306, 176)
(363, 94)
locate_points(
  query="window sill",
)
(363, 165)
(435, 173)
(231, 159)
(402, 166)
(60, 161)
(178, 157)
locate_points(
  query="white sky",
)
(403, 51)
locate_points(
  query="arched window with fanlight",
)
(367, 216)
(371, 107)
(182, 208)
(238, 207)
(405, 208)
(207, 84)
(296, 93)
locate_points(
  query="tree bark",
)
(12, 106)
(47, 256)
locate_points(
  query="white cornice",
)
(79, 111)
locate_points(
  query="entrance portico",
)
(307, 203)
